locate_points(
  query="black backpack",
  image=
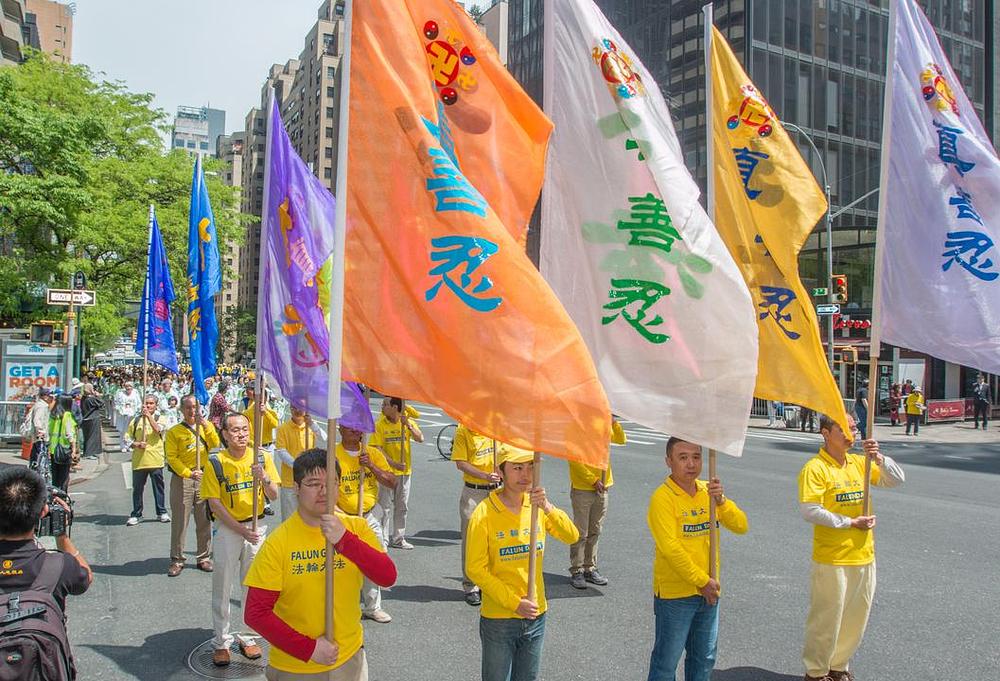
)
(33, 641)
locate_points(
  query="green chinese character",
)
(649, 223)
(643, 294)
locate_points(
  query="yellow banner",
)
(766, 205)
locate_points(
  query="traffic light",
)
(838, 289)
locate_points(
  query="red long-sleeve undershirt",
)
(259, 611)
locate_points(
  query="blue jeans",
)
(684, 624)
(512, 648)
(862, 415)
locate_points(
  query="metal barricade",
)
(11, 417)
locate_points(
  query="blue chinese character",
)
(454, 251)
(963, 242)
(450, 187)
(746, 162)
(948, 148)
(774, 304)
(963, 201)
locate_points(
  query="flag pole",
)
(147, 302)
(361, 468)
(536, 481)
(337, 299)
(875, 340)
(258, 426)
(713, 530)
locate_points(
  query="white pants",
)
(839, 605)
(371, 594)
(233, 555)
(396, 502)
(289, 502)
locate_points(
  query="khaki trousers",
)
(589, 509)
(185, 500)
(396, 503)
(466, 505)
(233, 555)
(355, 669)
(289, 502)
(839, 604)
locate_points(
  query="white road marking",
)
(127, 473)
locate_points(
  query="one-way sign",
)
(827, 309)
(64, 296)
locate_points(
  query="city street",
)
(934, 617)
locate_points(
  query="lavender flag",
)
(296, 241)
(355, 412)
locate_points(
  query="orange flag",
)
(442, 305)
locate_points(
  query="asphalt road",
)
(935, 616)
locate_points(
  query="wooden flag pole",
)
(873, 353)
(197, 428)
(331, 484)
(361, 468)
(536, 481)
(258, 426)
(713, 529)
(494, 455)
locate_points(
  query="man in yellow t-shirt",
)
(588, 493)
(287, 583)
(393, 432)
(512, 626)
(145, 433)
(232, 478)
(183, 449)
(476, 457)
(369, 463)
(269, 417)
(686, 596)
(914, 410)
(832, 497)
(292, 438)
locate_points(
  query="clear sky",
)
(192, 52)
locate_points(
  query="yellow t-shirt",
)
(350, 473)
(387, 437)
(269, 419)
(840, 489)
(474, 448)
(294, 439)
(237, 496)
(150, 456)
(292, 560)
(583, 477)
(913, 403)
(179, 446)
(679, 525)
(496, 553)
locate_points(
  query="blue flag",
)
(155, 332)
(204, 281)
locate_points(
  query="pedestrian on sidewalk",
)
(186, 499)
(982, 401)
(831, 498)
(394, 431)
(145, 437)
(685, 596)
(914, 410)
(231, 480)
(91, 406)
(861, 408)
(511, 626)
(288, 577)
(806, 414)
(38, 424)
(476, 457)
(62, 441)
(895, 399)
(588, 494)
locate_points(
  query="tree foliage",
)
(81, 160)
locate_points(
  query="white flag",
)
(939, 210)
(629, 250)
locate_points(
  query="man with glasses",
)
(831, 497)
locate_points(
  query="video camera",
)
(58, 521)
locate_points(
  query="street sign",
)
(827, 309)
(820, 292)
(79, 281)
(62, 296)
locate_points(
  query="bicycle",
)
(445, 438)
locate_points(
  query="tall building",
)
(494, 23)
(821, 65)
(12, 30)
(54, 22)
(229, 149)
(197, 130)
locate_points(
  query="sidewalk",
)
(936, 433)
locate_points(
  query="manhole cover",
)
(200, 662)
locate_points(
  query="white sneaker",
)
(131, 522)
(380, 616)
(163, 518)
(401, 544)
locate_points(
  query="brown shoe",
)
(220, 658)
(817, 678)
(841, 676)
(174, 570)
(205, 565)
(250, 650)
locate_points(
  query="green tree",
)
(238, 330)
(476, 12)
(81, 160)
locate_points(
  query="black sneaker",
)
(473, 598)
(595, 577)
(577, 580)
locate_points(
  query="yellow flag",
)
(766, 205)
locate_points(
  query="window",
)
(204, 146)
(329, 112)
(328, 152)
(331, 72)
(329, 133)
(178, 143)
(190, 144)
(327, 173)
(330, 92)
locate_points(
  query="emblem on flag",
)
(936, 89)
(616, 67)
(754, 112)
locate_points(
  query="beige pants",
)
(355, 669)
(233, 555)
(839, 605)
(185, 500)
(289, 502)
(466, 505)
(396, 503)
(589, 509)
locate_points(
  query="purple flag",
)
(356, 413)
(296, 240)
